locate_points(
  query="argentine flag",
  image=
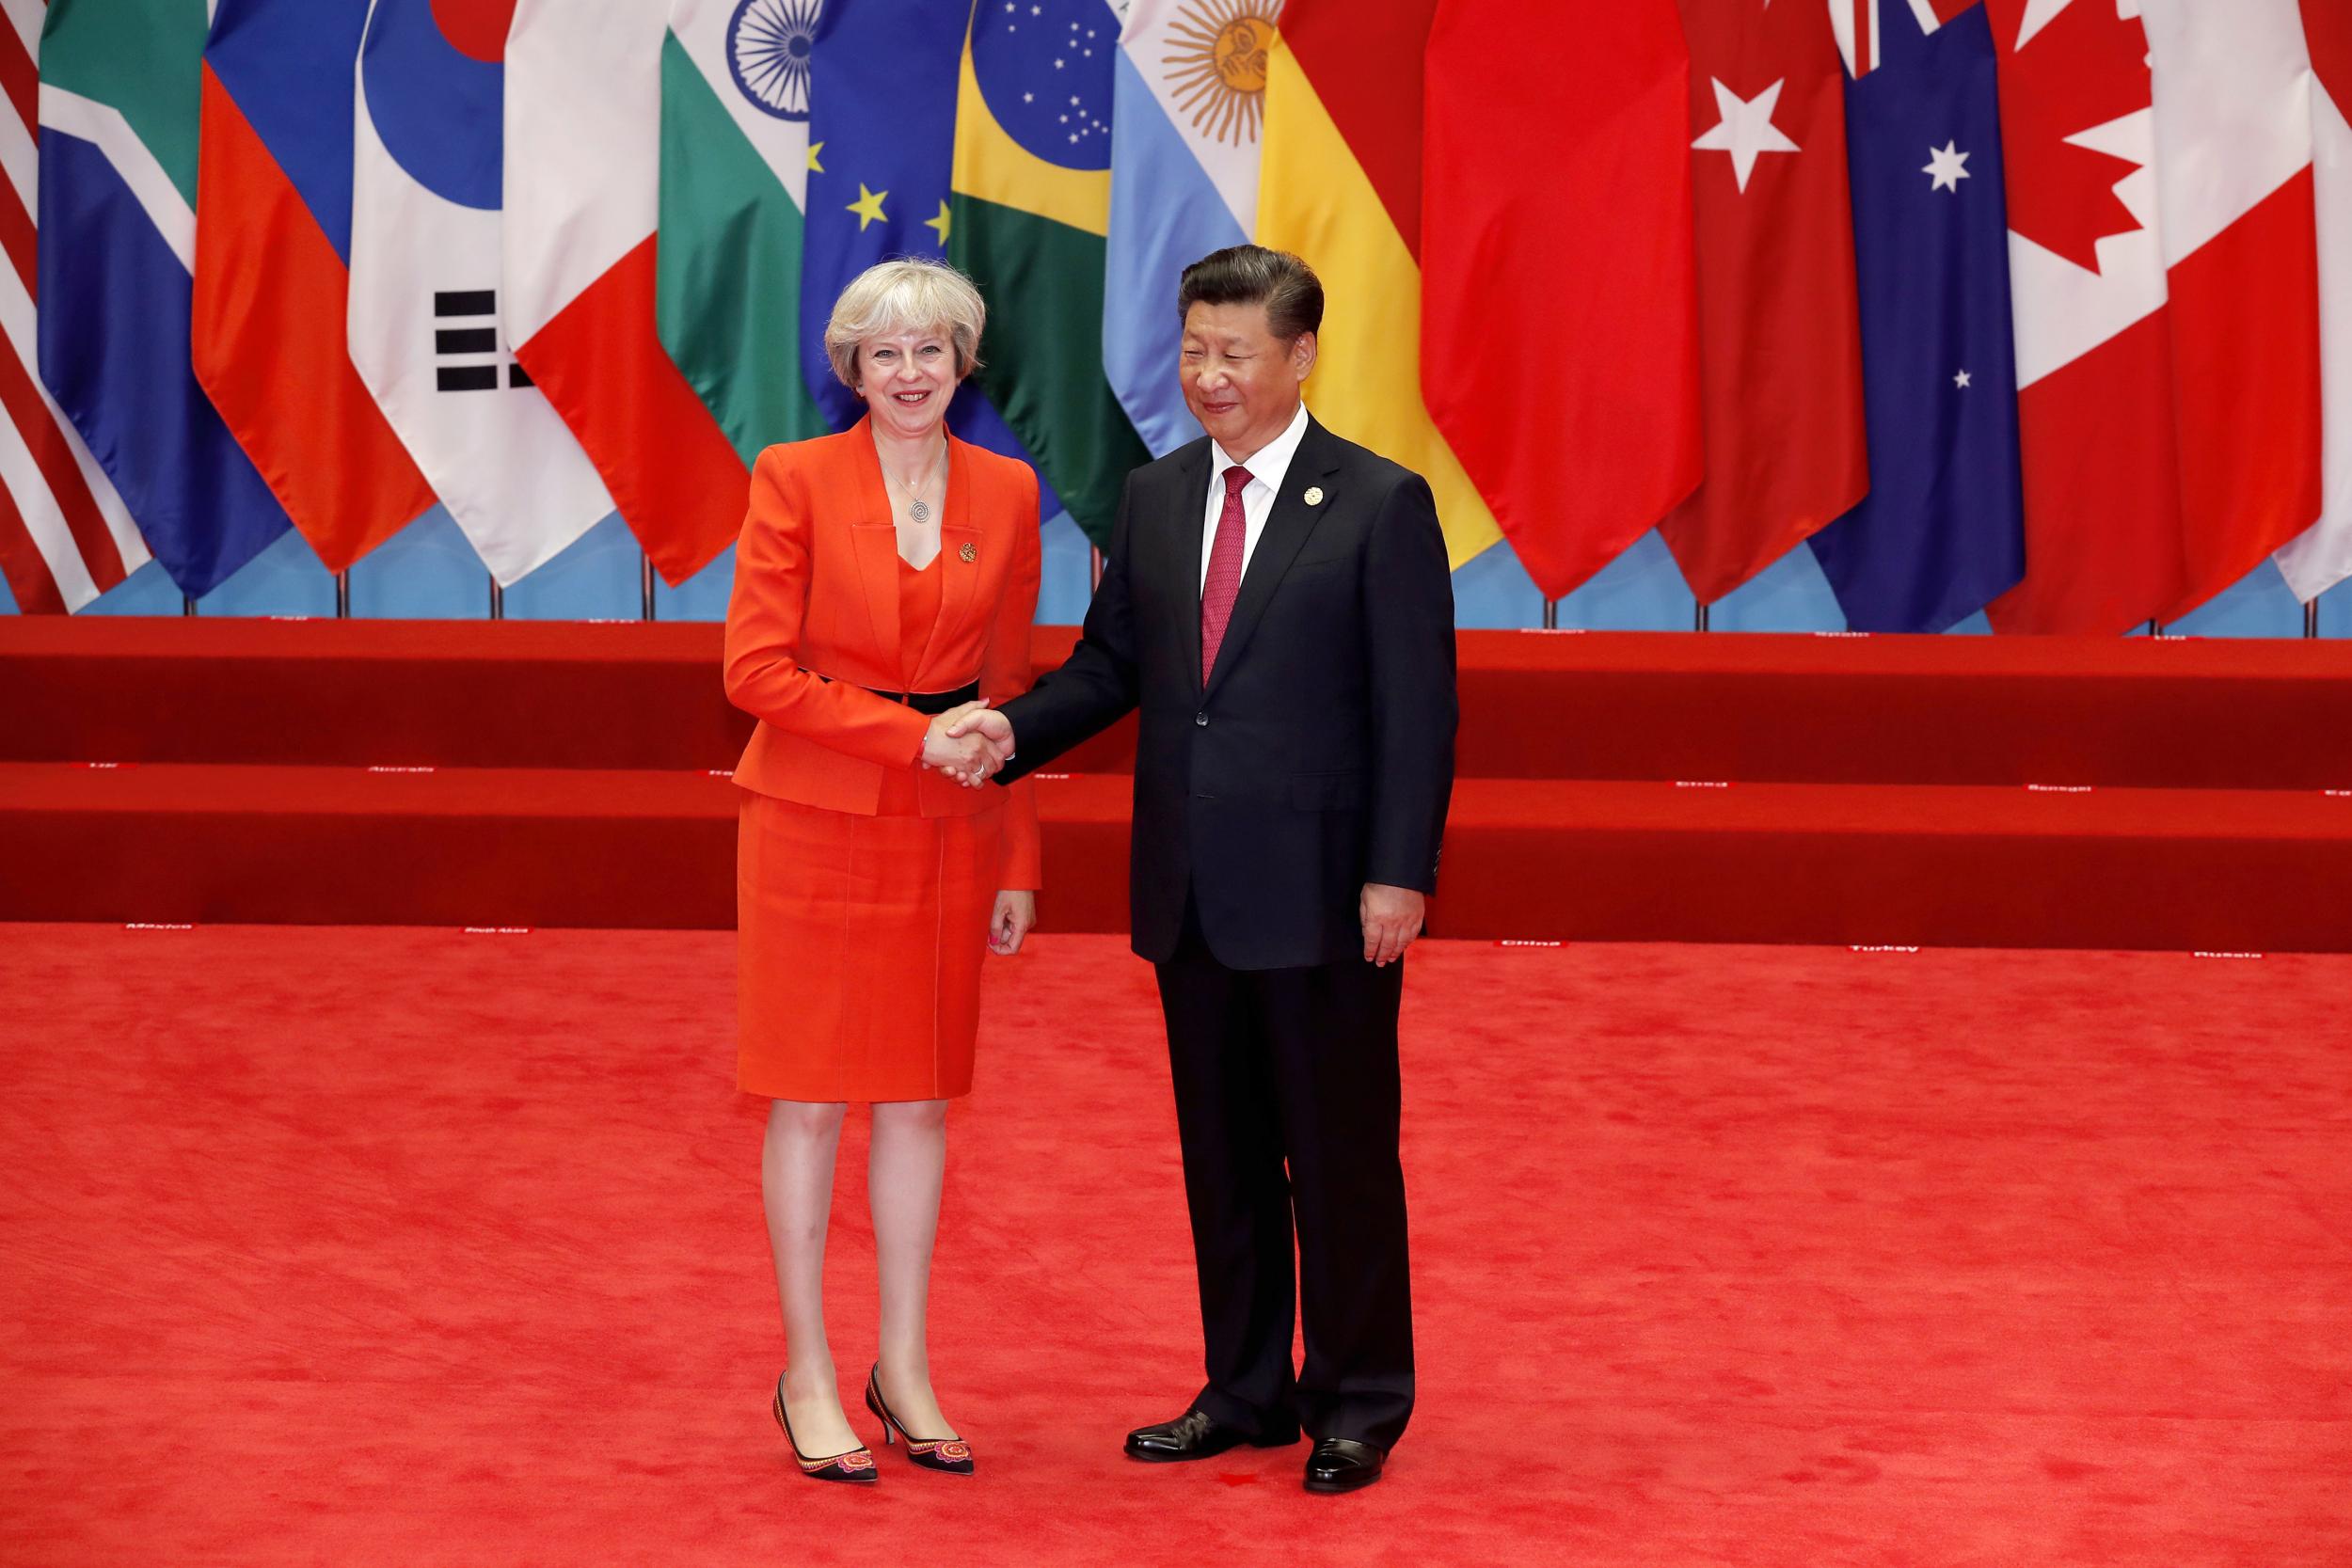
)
(1188, 99)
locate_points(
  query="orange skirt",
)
(859, 944)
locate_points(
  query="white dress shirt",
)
(1266, 468)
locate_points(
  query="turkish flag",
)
(2234, 167)
(1559, 342)
(1780, 354)
(2095, 349)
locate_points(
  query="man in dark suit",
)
(1276, 602)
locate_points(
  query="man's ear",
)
(1303, 349)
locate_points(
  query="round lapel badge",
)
(969, 553)
(1314, 496)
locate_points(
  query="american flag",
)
(65, 535)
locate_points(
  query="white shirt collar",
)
(1271, 462)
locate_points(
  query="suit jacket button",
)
(1202, 719)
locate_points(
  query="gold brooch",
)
(969, 553)
(1314, 496)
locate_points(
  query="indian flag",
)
(1029, 219)
(734, 178)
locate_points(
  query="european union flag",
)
(1942, 533)
(882, 138)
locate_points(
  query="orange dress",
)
(861, 934)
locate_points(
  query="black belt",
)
(929, 703)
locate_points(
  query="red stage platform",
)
(1943, 791)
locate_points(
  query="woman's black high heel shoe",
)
(948, 1456)
(855, 1467)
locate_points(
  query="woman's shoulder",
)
(814, 451)
(993, 470)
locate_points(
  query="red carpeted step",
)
(2203, 713)
(1542, 859)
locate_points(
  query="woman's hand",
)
(1016, 912)
(969, 759)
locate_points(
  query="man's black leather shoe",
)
(1198, 1434)
(1343, 1465)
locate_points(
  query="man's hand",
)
(1392, 917)
(969, 759)
(979, 720)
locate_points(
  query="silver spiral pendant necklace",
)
(919, 510)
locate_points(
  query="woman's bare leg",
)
(796, 1184)
(908, 1161)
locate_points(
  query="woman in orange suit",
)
(884, 578)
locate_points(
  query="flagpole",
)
(644, 587)
(498, 601)
(1094, 568)
(1552, 615)
(187, 605)
(1698, 621)
(342, 594)
(2155, 627)
(2310, 617)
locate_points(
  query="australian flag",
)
(1942, 531)
(881, 131)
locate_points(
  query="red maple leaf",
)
(2087, 67)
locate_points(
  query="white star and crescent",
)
(1747, 130)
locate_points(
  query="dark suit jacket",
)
(1320, 756)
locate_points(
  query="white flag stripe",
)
(509, 472)
(2233, 112)
(20, 159)
(103, 125)
(2321, 556)
(44, 516)
(25, 17)
(583, 149)
(701, 27)
(1842, 15)
(44, 521)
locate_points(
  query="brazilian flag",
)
(1029, 219)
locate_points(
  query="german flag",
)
(1339, 184)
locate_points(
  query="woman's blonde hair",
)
(906, 296)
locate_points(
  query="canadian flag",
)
(2240, 241)
(2094, 350)
(2321, 556)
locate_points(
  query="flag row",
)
(2035, 307)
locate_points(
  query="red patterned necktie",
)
(1223, 584)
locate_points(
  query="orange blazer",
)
(816, 595)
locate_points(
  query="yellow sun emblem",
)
(1217, 65)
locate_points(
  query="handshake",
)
(969, 743)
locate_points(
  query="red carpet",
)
(406, 1246)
